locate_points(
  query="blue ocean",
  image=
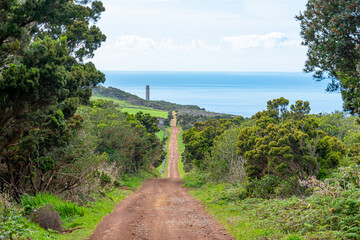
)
(237, 93)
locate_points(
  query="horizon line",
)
(215, 71)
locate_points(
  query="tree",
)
(223, 163)
(330, 29)
(150, 122)
(42, 75)
(200, 139)
(292, 150)
(300, 109)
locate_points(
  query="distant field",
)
(133, 109)
(152, 112)
(122, 104)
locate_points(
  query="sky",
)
(201, 35)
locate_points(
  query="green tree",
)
(330, 31)
(224, 163)
(125, 139)
(291, 150)
(42, 76)
(150, 122)
(300, 109)
(200, 139)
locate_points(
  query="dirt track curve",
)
(161, 210)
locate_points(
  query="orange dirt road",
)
(161, 210)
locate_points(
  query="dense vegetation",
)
(62, 155)
(65, 161)
(283, 173)
(106, 146)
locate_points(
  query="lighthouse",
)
(147, 93)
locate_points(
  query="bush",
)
(105, 179)
(47, 218)
(14, 226)
(264, 187)
(225, 193)
(195, 179)
(117, 183)
(65, 208)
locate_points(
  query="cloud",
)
(137, 43)
(132, 42)
(269, 40)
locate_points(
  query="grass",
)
(97, 210)
(168, 129)
(13, 225)
(133, 109)
(160, 134)
(122, 104)
(65, 208)
(152, 112)
(318, 217)
(94, 213)
(234, 216)
(181, 148)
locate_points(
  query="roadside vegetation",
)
(283, 174)
(163, 167)
(65, 160)
(181, 148)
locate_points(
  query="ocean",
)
(237, 93)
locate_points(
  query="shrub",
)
(117, 183)
(195, 179)
(14, 226)
(105, 179)
(264, 187)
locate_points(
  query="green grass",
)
(65, 208)
(133, 109)
(97, 210)
(181, 148)
(94, 213)
(233, 216)
(160, 134)
(152, 112)
(122, 104)
(316, 217)
(168, 129)
(13, 225)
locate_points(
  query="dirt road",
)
(161, 210)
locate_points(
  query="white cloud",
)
(137, 43)
(132, 42)
(269, 40)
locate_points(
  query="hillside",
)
(187, 114)
(112, 92)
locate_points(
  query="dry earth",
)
(161, 210)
